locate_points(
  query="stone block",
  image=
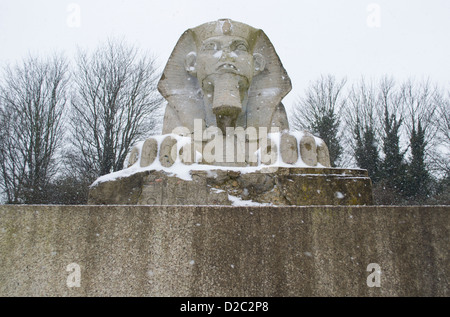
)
(149, 152)
(276, 186)
(288, 148)
(308, 150)
(168, 152)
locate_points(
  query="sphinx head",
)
(226, 64)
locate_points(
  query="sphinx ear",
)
(259, 62)
(190, 63)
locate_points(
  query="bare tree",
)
(440, 152)
(319, 112)
(421, 101)
(443, 124)
(32, 97)
(114, 103)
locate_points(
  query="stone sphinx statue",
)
(224, 84)
(227, 74)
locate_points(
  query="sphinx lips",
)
(226, 66)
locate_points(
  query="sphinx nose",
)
(227, 56)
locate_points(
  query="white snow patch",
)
(339, 195)
(217, 191)
(236, 201)
(319, 141)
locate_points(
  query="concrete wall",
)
(223, 251)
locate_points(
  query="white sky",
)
(311, 37)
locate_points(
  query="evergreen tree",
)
(393, 168)
(360, 117)
(418, 176)
(326, 127)
(366, 151)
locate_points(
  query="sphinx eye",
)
(241, 47)
(210, 46)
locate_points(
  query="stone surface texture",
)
(224, 251)
(276, 186)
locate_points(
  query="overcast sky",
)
(402, 38)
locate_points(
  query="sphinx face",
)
(225, 54)
(224, 66)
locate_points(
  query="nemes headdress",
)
(225, 27)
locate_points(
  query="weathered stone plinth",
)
(279, 186)
(224, 251)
